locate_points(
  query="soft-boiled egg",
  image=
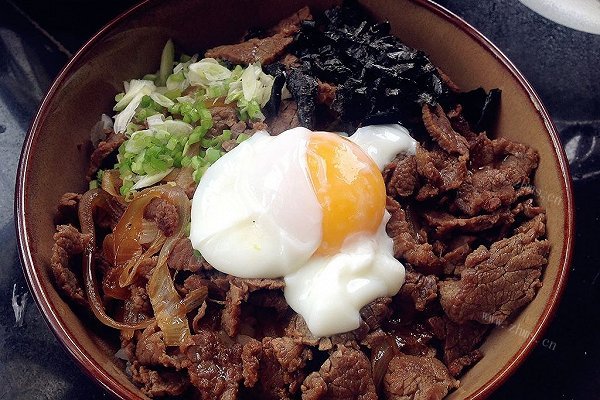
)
(309, 207)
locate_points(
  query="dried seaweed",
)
(379, 79)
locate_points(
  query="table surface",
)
(36, 40)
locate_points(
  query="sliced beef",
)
(66, 210)
(164, 213)
(137, 307)
(157, 384)
(401, 176)
(259, 283)
(151, 349)
(519, 160)
(291, 25)
(444, 223)
(272, 299)
(376, 312)
(251, 356)
(281, 367)
(264, 51)
(413, 338)
(439, 171)
(421, 289)
(298, 329)
(182, 257)
(68, 242)
(500, 167)
(230, 319)
(497, 281)
(417, 378)
(287, 118)
(456, 251)
(185, 180)
(346, 374)
(325, 93)
(214, 365)
(485, 191)
(107, 215)
(104, 149)
(537, 224)
(239, 290)
(408, 245)
(222, 118)
(439, 127)
(460, 342)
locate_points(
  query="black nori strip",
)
(277, 70)
(303, 88)
(378, 77)
(480, 109)
(490, 110)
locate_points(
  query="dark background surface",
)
(36, 40)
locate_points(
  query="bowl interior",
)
(56, 152)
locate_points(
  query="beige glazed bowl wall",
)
(54, 158)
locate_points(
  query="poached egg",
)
(308, 207)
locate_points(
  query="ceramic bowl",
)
(54, 156)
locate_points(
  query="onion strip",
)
(89, 201)
(168, 307)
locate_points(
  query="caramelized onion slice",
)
(381, 355)
(91, 289)
(168, 308)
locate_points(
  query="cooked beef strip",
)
(158, 383)
(460, 342)
(164, 213)
(263, 51)
(439, 127)
(182, 257)
(345, 375)
(68, 242)
(376, 312)
(440, 171)
(456, 253)
(421, 289)
(282, 367)
(137, 307)
(230, 319)
(251, 356)
(325, 93)
(151, 349)
(495, 282)
(66, 210)
(286, 119)
(408, 245)
(401, 176)
(102, 151)
(445, 224)
(291, 25)
(417, 378)
(484, 191)
(239, 290)
(214, 365)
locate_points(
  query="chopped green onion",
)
(166, 63)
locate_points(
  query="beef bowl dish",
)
(327, 201)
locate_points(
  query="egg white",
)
(255, 213)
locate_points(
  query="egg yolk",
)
(349, 188)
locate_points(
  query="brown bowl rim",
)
(99, 374)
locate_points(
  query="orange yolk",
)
(349, 188)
